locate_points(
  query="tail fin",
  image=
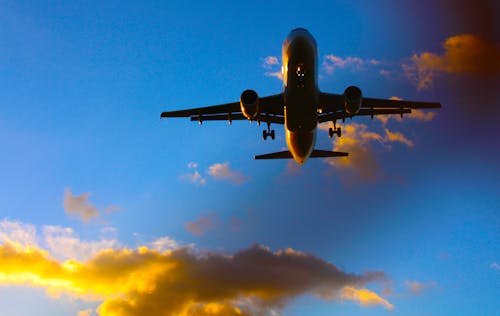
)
(315, 154)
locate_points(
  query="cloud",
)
(203, 224)
(87, 312)
(365, 297)
(277, 74)
(464, 54)
(80, 207)
(64, 244)
(270, 61)
(221, 171)
(332, 62)
(163, 244)
(182, 281)
(194, 177)
(360, 143)
(416, 115)
(397, 137)
(495, 266)
(418, 288)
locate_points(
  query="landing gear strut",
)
(269, 132)
(334, 131)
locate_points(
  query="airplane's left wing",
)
(271, 110)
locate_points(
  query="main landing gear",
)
(269, 132)
(334, 131)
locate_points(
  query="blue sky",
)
(87, 165)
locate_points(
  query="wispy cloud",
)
(144, 281)
(463, 54)
(86, 312)
(270, 61)
(418, 288)
(222, 171)
(203, 224)
(272, 66)
(359, 141)
(195, 176)
(332, 62)
(495, 266)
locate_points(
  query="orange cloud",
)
(221, 171)
(359, 142)
(183, 281)
(464, 54)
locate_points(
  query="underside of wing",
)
(271, 109)
(315, 154)
(334, 107)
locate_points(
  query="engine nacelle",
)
(352, 100)
(249, 104)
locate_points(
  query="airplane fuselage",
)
(300, 80)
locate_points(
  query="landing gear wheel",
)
(264, 135)
(272, 134)
(336, 131)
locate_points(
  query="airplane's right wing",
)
(333, 107)
(271, 110)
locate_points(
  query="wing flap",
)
(362, 112)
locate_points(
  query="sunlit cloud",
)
(270, 61)
(272, 65)
(203, 224)
(163, 244)
(365, 297)
(277, 74)
(86, 312)
(221, 171)
(185, 281)
(418, 288)
(332, 62)
(194, 177)
(464, 54)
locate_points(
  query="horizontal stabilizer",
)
(326, 153)
(277, 155)
(315, 154)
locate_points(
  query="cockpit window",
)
(301, 73)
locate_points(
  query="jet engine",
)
(352, 100)
(249, 103)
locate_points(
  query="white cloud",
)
(194, 177)
(164, 243)
(332, 62)
(18, 233)
(221, 171)
(63, 243)
(271, 61)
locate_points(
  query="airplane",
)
(301, 105)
